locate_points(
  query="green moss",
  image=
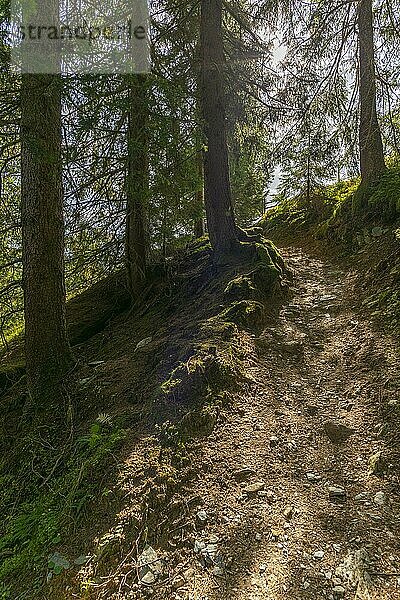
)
(210, 367)
(245, 313)
(266, 278)
(240, 288)
(200, 245)
(199, 423)
(216, 329)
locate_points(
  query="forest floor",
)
(295, 493)
(320, 520)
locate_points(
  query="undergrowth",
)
(384, 282)
(36, 526)
(330, 210)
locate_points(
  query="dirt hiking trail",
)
(293, 504)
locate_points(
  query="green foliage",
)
(57, 563)
(299, 214)
(35, 527)
(5, 592)
(310, 161)
(249, 175)
(384, 201)
(170, 435)
(97, 436)
(330, 211)
(384, 279)
(340, 193)
(386, 304)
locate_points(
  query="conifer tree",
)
(137, 185)
(372, 161)
(218, 198)
(47, 351)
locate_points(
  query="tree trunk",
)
(308, 178)
(372, 161)
(137, 185)
(164, 229)
(199, 230)
(48, 355)
(309, 167)
(218, 200)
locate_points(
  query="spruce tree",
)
(218, 198)
(137, 184)
(47, 351)
(372, 160)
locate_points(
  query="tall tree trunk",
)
(218, 199)
(164, 224)
(137, 185)
(199, 230)
(309, 167)
(372, 161)
(48, 355)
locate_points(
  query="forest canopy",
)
(291, 89)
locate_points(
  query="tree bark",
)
(372, 160)
(199, 229)
(48, 355)
(218, 199)
(137, 185)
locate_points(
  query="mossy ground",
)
(60, 489)
(332, 211)
(334, 222)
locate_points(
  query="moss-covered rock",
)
(240, 288)
(264, 277)
(206, 367)
(248, 314)
(268, 255)
(199, 423)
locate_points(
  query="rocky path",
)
(293, 502)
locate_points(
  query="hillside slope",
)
(235, 436)
(283, 486)
(153, 378)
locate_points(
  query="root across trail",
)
(294, 500)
